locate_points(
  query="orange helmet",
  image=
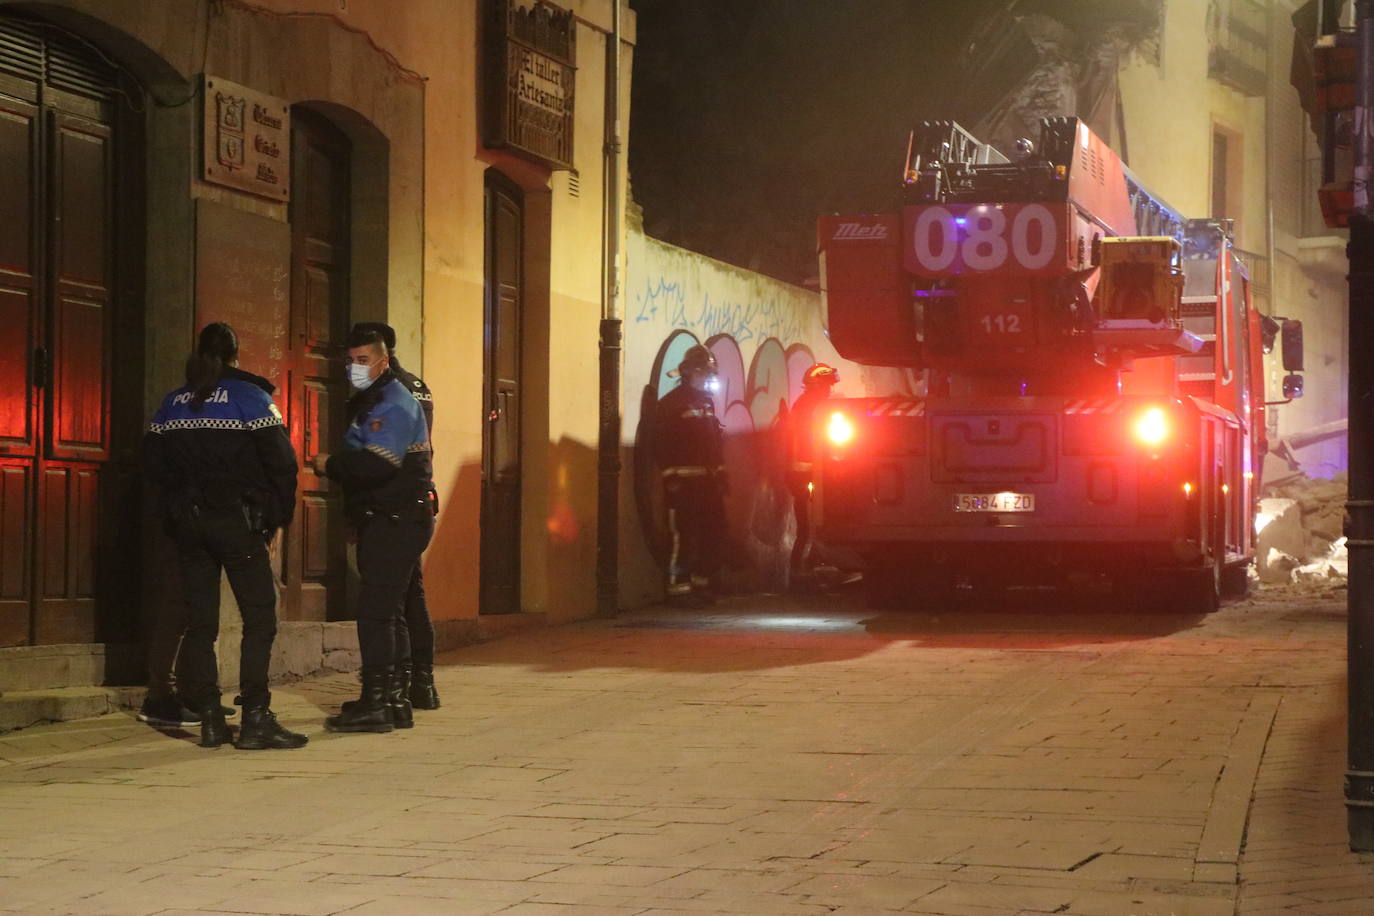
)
(820, 374)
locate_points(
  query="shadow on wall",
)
(749, 405)
(451, 561)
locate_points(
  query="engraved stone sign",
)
(247, 139)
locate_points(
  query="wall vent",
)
(574, 185)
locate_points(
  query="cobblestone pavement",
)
(770, 756)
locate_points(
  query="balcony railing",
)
(1257, 266)
(1238, 53)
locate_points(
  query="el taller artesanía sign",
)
(531, 51)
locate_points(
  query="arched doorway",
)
(71, 370)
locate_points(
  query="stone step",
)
(23, 708)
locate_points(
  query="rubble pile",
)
(1301, 532)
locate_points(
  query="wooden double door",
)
(70, 366)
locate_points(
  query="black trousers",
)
(388, 558)
(696, 528)
(419, 627)
(218, 540)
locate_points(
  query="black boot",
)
(214, 731)
(422, 692)
(398, 698)
(260, 731)
(370, 712)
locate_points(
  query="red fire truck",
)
(1088, 370)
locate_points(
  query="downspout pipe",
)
(608, 433)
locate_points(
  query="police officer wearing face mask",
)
(689, 447)
(419, 628)
(226, 476)
(384, 468)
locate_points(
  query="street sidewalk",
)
(768, 756)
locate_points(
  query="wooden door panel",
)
(68, 506)
(17, 432)
(80, 425)
(319, 305)
(80, 402)
(316, 562)
(18, 283)
(17, 140)
(82, 197)
(16, 485)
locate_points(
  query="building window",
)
(1220, 145)
(1227, 190)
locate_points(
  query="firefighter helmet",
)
(696, 359)
(820, 374)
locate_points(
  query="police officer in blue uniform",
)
(419, 628)
(225, 472)
(385, 472)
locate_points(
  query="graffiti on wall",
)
(664, 301)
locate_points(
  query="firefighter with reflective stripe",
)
(689, 447)
(817, 383)
(385, 471)
(225, 473)
(419, 628)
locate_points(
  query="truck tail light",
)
(1151, 427)
(840, 429)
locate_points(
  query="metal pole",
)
(1359, 777)
(608, 437)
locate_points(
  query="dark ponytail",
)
(218, 347)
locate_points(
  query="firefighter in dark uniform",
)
(817, 382)
(225, 472)
(384, 468)
(689, 446)
(420, 628)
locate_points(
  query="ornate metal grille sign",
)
(247, 139)
(531, 55)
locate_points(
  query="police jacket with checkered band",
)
(418, 390)
(688, 439)
(230, 451)
(384, 465)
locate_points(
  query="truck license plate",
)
(994, 502)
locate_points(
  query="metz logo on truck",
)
(962, 239)
(860, 232)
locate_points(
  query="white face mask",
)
(360, 376)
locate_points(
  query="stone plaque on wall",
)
(247, 139)
(531, 69)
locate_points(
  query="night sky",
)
(752, 117)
